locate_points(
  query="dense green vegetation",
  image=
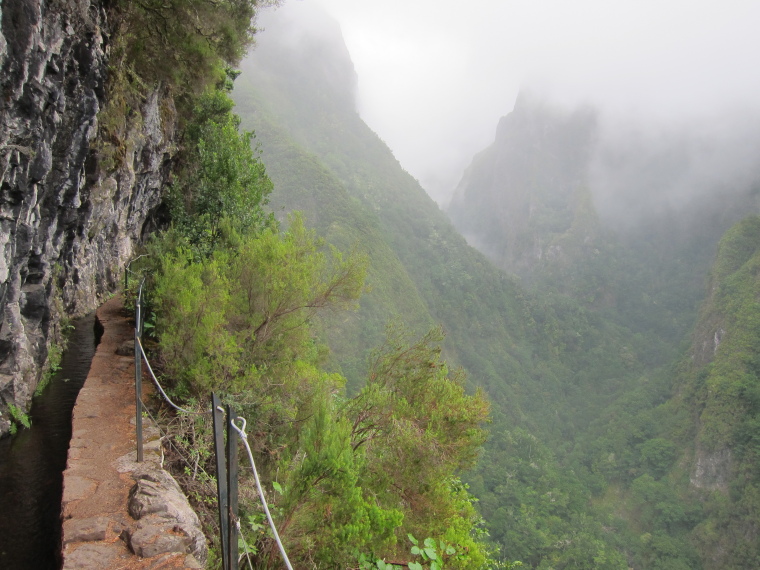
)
(717, 397)
(326, 162)
(172, 51)
(234, 300)
(180, 44)
(590, 456)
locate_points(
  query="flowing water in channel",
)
(32, 462)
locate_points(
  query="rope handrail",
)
(244, 438)
(143, 357)
(161, 390)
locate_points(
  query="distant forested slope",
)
(718, 400)
(326, 162)
(625, 226)
(629, 231)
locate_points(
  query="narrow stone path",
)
(98, 529)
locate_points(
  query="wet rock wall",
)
(67, 226)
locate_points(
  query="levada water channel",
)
(33, 460)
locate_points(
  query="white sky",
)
(436, 75)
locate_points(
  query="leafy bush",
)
(182, 44)
(18, 418)
(239, 318)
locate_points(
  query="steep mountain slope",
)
(683, 472)
(629, 232)
(345, 172)
(520, 194)
(326, 161)
(549, 364)
(622, 222)
(69, 221)
(303, 183)
(718, 396)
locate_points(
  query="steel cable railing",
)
(141, 356)
(244, 437)
(161, 390)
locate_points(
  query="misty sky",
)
(436, 75)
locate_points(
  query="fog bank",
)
(436, 76)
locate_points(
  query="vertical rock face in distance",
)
(522, 191)
(66, 228)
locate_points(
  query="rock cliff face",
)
(521, 193)
(67, 228)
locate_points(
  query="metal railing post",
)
(221, 479)
(232, 487)
(138, 376)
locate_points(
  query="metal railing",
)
(226, 456)
(138, 371)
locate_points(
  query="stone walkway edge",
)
(117, 513)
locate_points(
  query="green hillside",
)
(347, 181)
(671, 453)
(718, 397)
(612, 443)
(550, 364)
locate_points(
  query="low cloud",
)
(642, 171)
(435, 75)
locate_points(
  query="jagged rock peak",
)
(523, 190)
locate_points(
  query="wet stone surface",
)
(119, 513)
